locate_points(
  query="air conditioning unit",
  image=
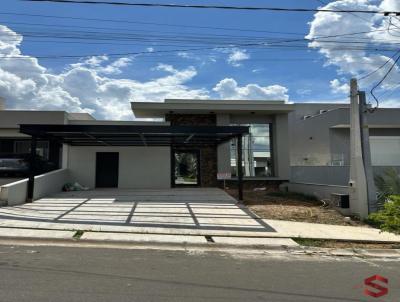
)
(322, 111)
(306, 117)
(341, 200)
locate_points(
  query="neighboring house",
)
(15, 146)
(320, 146)
(192, 142)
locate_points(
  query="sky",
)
(97, 59)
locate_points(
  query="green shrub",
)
(388, 219)
(388, 183)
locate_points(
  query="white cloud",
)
(236, 56)
(84, 86)
(228, 89)
(339, 88)
(91, 85)
(350, 61)
(303, 91)
(389, 103)
(97, 64)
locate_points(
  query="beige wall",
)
(139, 167)
(12, 118)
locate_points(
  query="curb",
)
(349, 252)
(73, 241)
(263, 249)
(285, 236)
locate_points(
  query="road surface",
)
(73, 274)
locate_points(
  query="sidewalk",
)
(282, 229)
(236, 246)
(293, 229)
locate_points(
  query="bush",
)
(388, 219)
(388, 183)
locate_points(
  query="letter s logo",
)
(381, 290)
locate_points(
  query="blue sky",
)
(103, 85)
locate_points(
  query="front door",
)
(186, 168)
(107, 164)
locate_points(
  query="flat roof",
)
(347, 126)
(134, 135)
(185, 106)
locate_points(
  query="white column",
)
(65, 150)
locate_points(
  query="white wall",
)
(14, 193)
(139, 167)
(45, 184)
(6, 180)
(51, 182)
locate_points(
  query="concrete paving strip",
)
(140, 238)
(255, 241)
(35, 234)
(284, 229)
(334, 232)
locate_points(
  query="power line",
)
(101, 35)
(174, 32)
(146, 23)
(250, 8)
(353, 14)
(380, 67)
(381, 81)
(169, 25)
(280, 47)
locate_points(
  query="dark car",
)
(18, 165)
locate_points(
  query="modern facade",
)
(303, 147)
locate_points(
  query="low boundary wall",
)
(321, 191)
(45, 184)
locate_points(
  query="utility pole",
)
(358, 182)
(366, 151)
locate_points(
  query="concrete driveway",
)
(194, 211)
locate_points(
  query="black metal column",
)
(32, 170)
(239, 164)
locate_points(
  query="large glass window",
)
(24, 147)
(385, 150)
(256, 152)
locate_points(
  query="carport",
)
(135, 135)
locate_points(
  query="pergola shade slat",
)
(134, 135)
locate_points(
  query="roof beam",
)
(95, 139)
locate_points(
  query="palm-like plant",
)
(388, 183)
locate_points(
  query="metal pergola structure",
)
(135, 135)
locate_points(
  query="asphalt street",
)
(97, 274)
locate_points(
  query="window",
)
(385, 150)
(256, 152)
(24, 147)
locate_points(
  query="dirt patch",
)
(345, 244)
(293, 207)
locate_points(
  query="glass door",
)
(186, 168)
